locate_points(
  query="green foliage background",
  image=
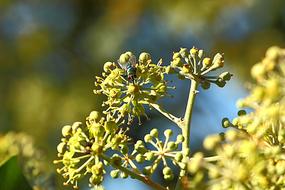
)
(50, 51)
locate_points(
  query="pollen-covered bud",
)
(140, 158)
(154, 132)
(175, 55)
(124, 58)
(206, 62)
(108, 66)
(226, 123)
(60, 147)
(183, 52)
(193, 51)
(211, 141)
(66, 130)
(94, 116)
(144, 57)
(114, 174)
(218, 61)
(168, 133)
(177, 62)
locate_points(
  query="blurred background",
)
(51, 50)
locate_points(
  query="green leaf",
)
(12, 177)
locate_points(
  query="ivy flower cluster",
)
(126, 96)
(130, 86)
(266, 99)
(239, 163)
(252, 156)
(81, 148)
(192, 64)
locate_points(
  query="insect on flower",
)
(127, 62)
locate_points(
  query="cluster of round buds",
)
(240, 163)
(266, 99)
(192, 64)
(163, 151)
(81, 148)
(270, 80)
(131, 84)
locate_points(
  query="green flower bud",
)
(220, 82)
(147, 138)
(171, 145)
(181, 77)
(211, 141)
(144, 57)
(178, 156)
(167, 171)
(231, 135)
(110, 126)
(200, 53)
(226, 76)
(226, 123)
(116, 160)
(241, 112)
(205, 85)
(179, 138)
(125, 149)
(114, 174)
(168, 133)
(149, 156)
(147, 170)
(154, 132)
(66, 130)
(140, 158)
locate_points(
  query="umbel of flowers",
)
(130, 86)
(252, 156)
